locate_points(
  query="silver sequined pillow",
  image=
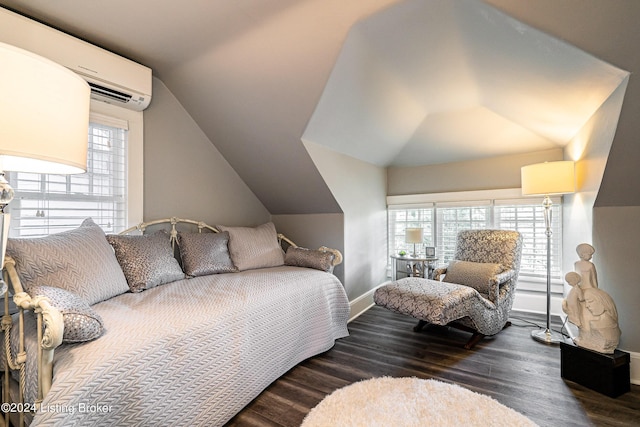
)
(301, 257)
(147, 261)
(80, 261)
(81, 323)
(254, 247)
(205, 253)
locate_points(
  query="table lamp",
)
(415, 236)
(549, 178)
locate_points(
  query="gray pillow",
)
(301, 257)
(79, 261)
(205, 253)
(147, 261)
(482, 276)
(254, 247)
(81, 323)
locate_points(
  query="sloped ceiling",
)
(249, 72)
(429, 82)
(252, 72)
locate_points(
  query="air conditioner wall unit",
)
(112, 78)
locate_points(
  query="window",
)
(443, 220)
(401, 219)
(529, 220)
(110, 191)
(451, 219)
(46, 204)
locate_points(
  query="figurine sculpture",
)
(591, 309)
(584, 267)
(571, 305)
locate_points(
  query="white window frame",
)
(133, 122)
(419, 222)
(135, 157)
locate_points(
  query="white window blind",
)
(443, 221)
(46, 204)
(529, 220)
(400, 219)
(453, 218)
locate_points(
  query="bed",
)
(192, 351)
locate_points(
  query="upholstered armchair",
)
(474, 292)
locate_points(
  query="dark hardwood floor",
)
(510, 367)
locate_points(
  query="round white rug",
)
(399, 402)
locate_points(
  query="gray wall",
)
(609, 30)
(485, 174)
(360, 190)
(314, 230)
(616, 238)
(184, 173)
(590, 149)
(186, 176)
(614, 231)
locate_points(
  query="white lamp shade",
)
(413, 235)
(548, 178)
(44, 114)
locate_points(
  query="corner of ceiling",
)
(426, 82)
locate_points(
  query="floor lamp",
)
(44, 122)
(549, 178)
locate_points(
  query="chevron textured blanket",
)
(196, 351)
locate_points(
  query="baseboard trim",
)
(536, 302)
(635, 367)
(363, 303)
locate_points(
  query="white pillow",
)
(254, 247)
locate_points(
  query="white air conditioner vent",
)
(112, 78)
(109, 93)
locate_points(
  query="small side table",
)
(407, 266)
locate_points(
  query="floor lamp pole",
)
(6, 195)
(548, 336)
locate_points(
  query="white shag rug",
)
(404, 402)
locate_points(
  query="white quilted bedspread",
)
(196, 351)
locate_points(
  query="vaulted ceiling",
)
(430, 82)
(420, 81)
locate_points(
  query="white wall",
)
(360, 189)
